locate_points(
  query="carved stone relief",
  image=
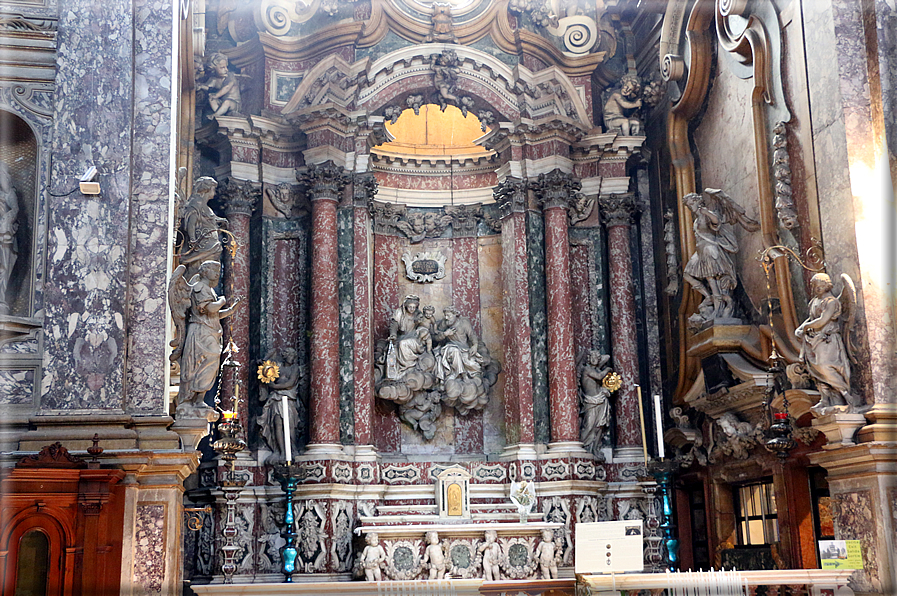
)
(341, 543)
(312, 537)
(424, 267)
(781, 169)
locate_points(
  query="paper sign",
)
(841, 554)
(609, 547)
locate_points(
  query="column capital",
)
(510, 195)
(240, 197)
(323, 181)
(464, 220)
(364, 189)
(555, 189)
(617, 210)
(386, 217)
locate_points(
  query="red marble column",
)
(511, 196)
(554, 192)
(240, 198)
(616, 213)
(466, 298)
(325, 183)
(364, 189)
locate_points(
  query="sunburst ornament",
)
(612, 381)
(268, 372)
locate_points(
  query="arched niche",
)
(19, 154)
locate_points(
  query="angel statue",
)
(200, 227)
(285, 387)
(711, 269)
(826, 350)
(595, 400)
(197, 312)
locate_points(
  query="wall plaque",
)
(424, 267)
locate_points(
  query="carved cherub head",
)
(218, 62)
(372, 539)
(630, 86)
(432, 538)
(821, 284)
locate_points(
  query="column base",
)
(520, 451)
(883, 425)
(362, 452)
(568, 449)
(322, 450)
(629, 454)
(192, 430)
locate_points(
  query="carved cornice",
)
(464, 220)
(617, 210)
(287, 199)
(323, 181)
(556, 189)
(510, 195)
(52, 456)
(386, 216)
(240, 197)
(364, 189)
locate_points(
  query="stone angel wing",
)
(179, 302)
(728, 210)
(180, 197)
(848, 300)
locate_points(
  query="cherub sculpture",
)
(372, 558)
(711, 269)
(491, 556)
(434, 557)
(826, 350)
(622, 107)
(595, 400)
(548, 554)
(224, 88)
(197, 311)
(9, 211)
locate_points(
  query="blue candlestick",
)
(663, 474)
(289, 552)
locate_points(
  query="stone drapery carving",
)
(200, 228)
(622, 107)
(9, 212)
(826, 349)
(711, 269)
(426, 363)
(197, 312)
(222, 86)
(285, 387)
(442, 29)
(781, 169)
(595, 400)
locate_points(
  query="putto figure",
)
(622, 107)
(426, 363)
(434, 557)
(826, 350)
(196, 307)
(711, 269)
(224, 96)
(372, 558)
(491, 556)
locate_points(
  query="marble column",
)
(240, 199)
(325, 184)
(616, 213)
(554, 191)
(511, 196)
(364, 190)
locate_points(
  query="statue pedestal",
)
(839, 428)
(192, 430)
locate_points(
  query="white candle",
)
(285, 413)
(658, 421)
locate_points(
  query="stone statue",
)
(426, 363)
(622, 107)
(445, 77)
(372, 558)
(711, 269)
(196, 308)
(442, 29)
(826, 350)
(9, 212)
(224, 96)
(595, 401)
(548, 554)
(491, 556)
(271, 421)
(523, 495)
(734, 438)
(200, 228)
(434, 558)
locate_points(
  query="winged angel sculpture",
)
(826, 350)
(711, 269)
(197, 312)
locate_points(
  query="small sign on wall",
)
(609, 547)
(841, 554)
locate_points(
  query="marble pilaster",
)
(240, 199)
(364, 190)
(325, 185)
(616, 213)
(387, 434)
(554, 191)
(511, 195)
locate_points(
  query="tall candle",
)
(658, 422)
(285, 413)
(641, 416)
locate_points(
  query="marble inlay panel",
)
(149, 548)
(346, 291)
(535, 253)
(855, 517)
(490, 254)
(386, 298)
(16, 387)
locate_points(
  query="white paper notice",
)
(609, 547)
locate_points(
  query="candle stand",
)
(663, 473)
(228, 445)
(289, 551)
